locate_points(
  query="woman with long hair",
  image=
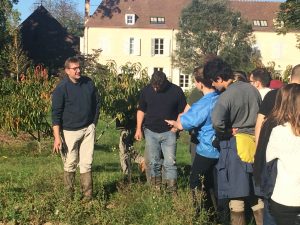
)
(284, 145)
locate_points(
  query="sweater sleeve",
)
(97, 105)
(195, 116)
(181, 101)
(142, 104)
(58, 102)
(274, 146)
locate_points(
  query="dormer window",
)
(157, 20)
(130, 19)
(260, 23)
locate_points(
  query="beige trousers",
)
(239, 205)
(78, 149)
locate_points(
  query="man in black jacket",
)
(159, 101)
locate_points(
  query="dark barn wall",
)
(46, 41)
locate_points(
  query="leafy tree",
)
(210, 27)
(119, 91)
(25, 103)
(287, 73)
(6, 14)
(66, 13)
(288, 18)
(18, 61)
(119, 97)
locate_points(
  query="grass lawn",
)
(31, 188)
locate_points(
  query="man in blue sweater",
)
(75, 112)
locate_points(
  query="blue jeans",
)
(158, 146)
(268, 218)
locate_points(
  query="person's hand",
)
(57, 145)
(170, 122)
(234, 131)
(174, 129)
(138, 135)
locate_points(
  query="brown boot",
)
(86, 186)
(69, 178)
(259, 216)
(237, 218)
(172, 187)
(156, 183)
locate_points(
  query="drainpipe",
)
(86, 10)
(86, 17)
(172, 52)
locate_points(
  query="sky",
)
(26, 7)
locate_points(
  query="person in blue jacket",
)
(199, 117)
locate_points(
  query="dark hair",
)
(240, 75)
(199, 77)
(71, 60)
(159, 80)
(217, 68)
(262, 75)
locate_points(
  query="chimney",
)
(86, 10)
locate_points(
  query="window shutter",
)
(137, 46)
(167, 44)
(152, 46)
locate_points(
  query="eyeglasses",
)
(75, 68)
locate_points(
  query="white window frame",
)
(184, 80)
(256, 23)
(158, 69)
(130, 19)
(157, 46)
(263, 23)
(260, 23)
(157, 20)
(132, 46)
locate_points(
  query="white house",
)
(145, 31)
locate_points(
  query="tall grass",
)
(31, 188)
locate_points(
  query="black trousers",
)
(285, 215)
(202, 167)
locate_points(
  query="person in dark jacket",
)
(75, 112)
(158, 101)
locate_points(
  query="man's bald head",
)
(295, 76)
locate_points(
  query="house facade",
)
(278, 48)
(145, 31)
